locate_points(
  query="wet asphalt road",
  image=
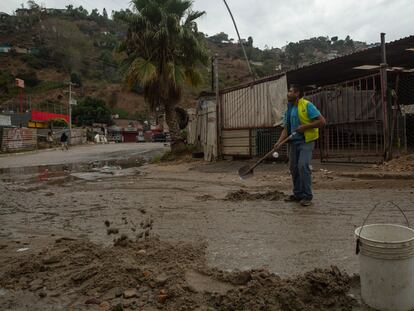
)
(82, 154)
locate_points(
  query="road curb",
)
(375, 175)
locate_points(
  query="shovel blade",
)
(245, 172)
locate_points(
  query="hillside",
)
(48, 47)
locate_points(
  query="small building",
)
(5, 121)
(4, 15)
(5, 48)
(114, 134)
(259, 64)
(52, 11)
(24, 12)
(34, 51)
(20, 50)
(129, 129)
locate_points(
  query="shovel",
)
(246, 171)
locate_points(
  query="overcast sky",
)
(275, 22)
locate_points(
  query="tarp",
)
(46, 116)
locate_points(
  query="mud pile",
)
(402, 164)
(150, 269)
(152, 274)
(242, 195)
(321, 289)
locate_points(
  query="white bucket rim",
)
(357, 234)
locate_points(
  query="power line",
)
(240, 41)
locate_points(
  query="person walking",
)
(50, 139)
(304, 119)
(64, 141)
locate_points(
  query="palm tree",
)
(164, 50)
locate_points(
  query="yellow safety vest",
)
(310, 134)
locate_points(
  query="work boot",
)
(306, 202)
(292, 198)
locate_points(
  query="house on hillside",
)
(3, 15)
(52, 11)
(5, 48)
(20, 50)
(259, 64)
(25, 12)
(34, 51)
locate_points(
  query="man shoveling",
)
(304, 119)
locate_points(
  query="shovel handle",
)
(273, 150)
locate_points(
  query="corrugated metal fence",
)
(250, 115)
(255, 106)
(202, 128)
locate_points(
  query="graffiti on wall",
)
(16, 139)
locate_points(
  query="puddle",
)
(63, 173)
(106, 172)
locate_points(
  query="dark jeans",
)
(300, 156)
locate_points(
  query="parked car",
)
(159, 137)
(116, 137)
(140, 137)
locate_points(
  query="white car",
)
(140, 137)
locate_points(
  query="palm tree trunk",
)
(177, 141)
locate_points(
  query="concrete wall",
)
(78, 137)
(18, 139)
(5, 120)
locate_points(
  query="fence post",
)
(384, 99)
(218, 115)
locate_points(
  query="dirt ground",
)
(186, 236)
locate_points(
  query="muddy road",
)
(189, 203)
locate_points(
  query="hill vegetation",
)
(48, 47)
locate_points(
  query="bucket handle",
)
(358, 241)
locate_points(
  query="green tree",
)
(76, 78)
(91, 110)
(122, 113)
(164, 51)
(30, 77)
(81, 12)
(250, 41)
(33, 5)
(219, 38)
(293, 54)
(94, 14)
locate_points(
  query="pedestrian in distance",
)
(64, 141)
(304, 119)
(50, 139)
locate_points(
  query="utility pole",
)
(70, 107)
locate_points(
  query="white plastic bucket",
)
(386, 257)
